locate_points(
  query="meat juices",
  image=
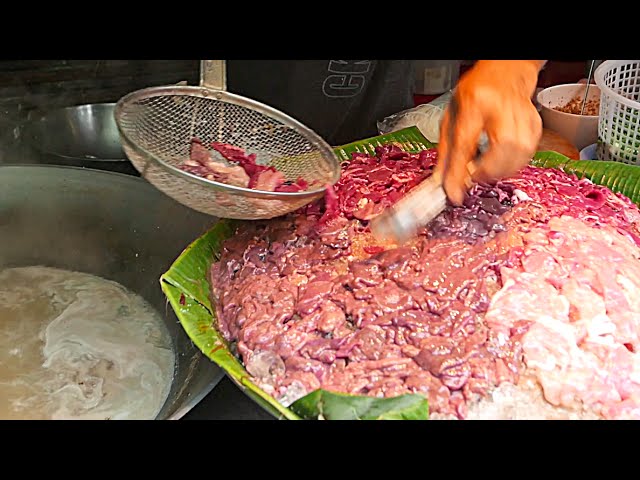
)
(312, 301)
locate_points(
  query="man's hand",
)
(493, 97)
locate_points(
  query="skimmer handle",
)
(213, 74)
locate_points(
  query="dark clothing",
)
(341, 100)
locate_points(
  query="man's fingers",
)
(511, 146)
(492, 97)
(461, 149)
(500, 160)
(443, 143)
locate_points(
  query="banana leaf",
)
(618, 177)
(410, 140)
(338, 406)
(186, 286)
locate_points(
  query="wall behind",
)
(29, 84)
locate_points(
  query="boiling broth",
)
(77, 346)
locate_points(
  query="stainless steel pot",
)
(111, 225)
(81, 136)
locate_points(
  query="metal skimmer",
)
(156, 126)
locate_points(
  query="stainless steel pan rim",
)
(202, 375)
(32, 125)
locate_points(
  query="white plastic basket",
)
(619, 120)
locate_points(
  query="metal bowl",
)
(82, 136)
(114, 226)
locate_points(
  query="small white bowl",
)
(589, 152)
(581, 130)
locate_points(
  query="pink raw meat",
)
(247, 173)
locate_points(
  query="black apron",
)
(341, 100)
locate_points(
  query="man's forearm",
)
(523, 72)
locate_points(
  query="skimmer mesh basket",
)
(157, 126)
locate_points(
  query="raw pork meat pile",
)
(533, 284)
(241, 169)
